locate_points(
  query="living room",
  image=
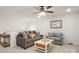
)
(15, 19)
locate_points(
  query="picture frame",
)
(56, 24)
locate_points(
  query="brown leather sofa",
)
(27, 39)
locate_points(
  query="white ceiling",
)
(26, 11)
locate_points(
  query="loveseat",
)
(57, 37)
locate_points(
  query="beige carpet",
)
(66, 48)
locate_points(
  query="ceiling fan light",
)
(42, 14)
(68, 10)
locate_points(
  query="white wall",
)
(11, 26)
(70, 26)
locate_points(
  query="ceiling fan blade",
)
(34, 12)
(48, 7)
(49, 11)
(37, 8)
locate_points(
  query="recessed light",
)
(68, 10)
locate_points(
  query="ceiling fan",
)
(45, 9)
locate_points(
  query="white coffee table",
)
(44, 45)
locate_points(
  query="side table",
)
(5, 40)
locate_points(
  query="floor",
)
(66, 48)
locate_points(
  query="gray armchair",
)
(58, 37)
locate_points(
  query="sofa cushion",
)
(50, 34)
(59, 35)
(54, 35)
(24, 35)
(19, 35)
(29, 40)
(56, 38)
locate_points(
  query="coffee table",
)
(44, 45)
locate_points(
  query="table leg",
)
(4, 42)
(0, 40)
(9, 41)
(46, 49)
(35, 44)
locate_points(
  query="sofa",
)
(23, 41)
(57, 37)
(26, 39)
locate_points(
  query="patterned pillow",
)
(33, 37)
